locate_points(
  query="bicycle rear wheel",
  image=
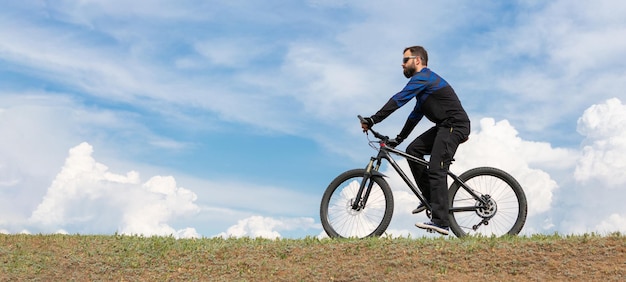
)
(505, 213)
(338, 217)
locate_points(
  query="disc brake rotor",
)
(349, 208)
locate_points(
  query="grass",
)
(135, 258)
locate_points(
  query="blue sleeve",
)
(409, 92)
(415, 86)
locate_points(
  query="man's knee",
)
(414, 151)
(418, 148)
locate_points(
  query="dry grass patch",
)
(136, 258)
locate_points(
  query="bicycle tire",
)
(338, 218)
(506, 217)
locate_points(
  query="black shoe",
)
(420, 208)
(443, 230)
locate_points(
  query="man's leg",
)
(444, 147)
(422, 145)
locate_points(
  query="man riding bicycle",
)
(436, 100)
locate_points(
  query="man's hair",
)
(420, 52)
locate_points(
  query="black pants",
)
(440, 142)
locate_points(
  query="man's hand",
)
(395, 141)
(367, 123)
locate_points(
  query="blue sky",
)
(204, 118)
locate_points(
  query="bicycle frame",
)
(384, 152)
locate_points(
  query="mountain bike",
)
(482, 201)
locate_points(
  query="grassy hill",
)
(136, 258)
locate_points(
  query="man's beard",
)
(409, 71)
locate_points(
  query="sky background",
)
(230, 118)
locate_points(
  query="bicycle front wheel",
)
(504, 213)
(337, 215)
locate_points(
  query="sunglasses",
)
(406, 59)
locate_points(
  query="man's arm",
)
(415, 86)
(390, 107)
(409, 125)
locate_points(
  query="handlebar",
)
(382, 138)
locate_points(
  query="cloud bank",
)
(87, 198)
(568, 191)
(267, 227)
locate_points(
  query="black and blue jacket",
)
(435, 99)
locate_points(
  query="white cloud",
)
(594, 202)
(266, 227)
(615, 222)
(36, 132)
(38, 128)
(604, 150)
(86, 194)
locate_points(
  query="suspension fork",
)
(361, 200)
